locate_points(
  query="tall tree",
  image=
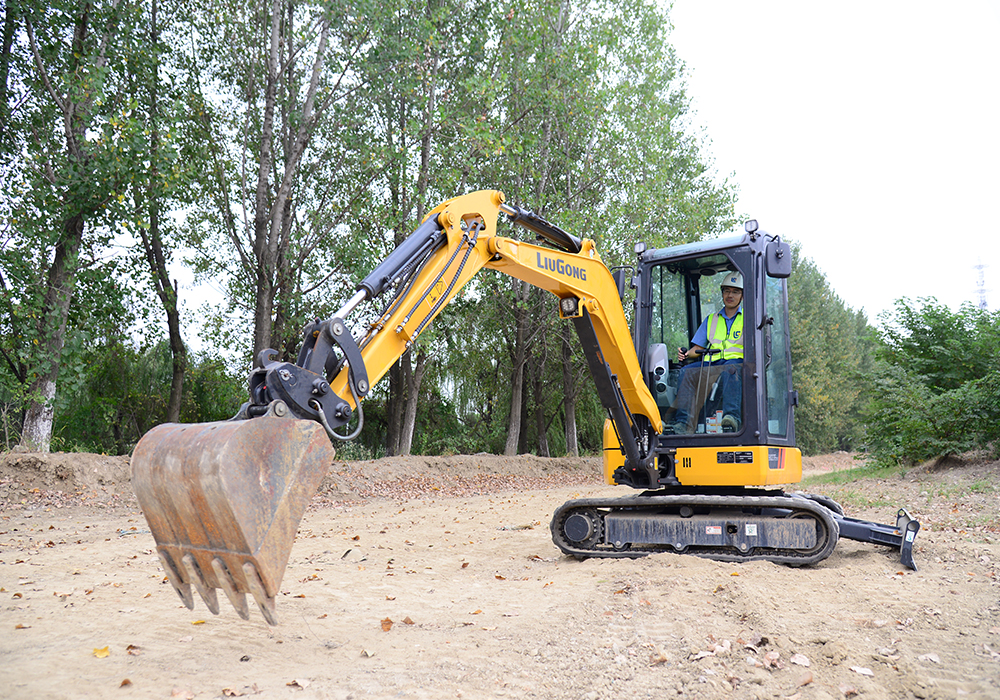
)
(831, 347)
(72, 151)
(152, 190)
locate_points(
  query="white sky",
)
(869, 131)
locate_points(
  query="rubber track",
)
(792, 557)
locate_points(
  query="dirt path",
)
(451, 595)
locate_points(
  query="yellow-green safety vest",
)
(731, 343)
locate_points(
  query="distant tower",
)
(981, 286)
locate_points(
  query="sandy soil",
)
(437, 578)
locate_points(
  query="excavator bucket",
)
(224, 500)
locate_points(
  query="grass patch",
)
(847, 476)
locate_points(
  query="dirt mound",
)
(60, 478)
(30, 476)
(458, 475)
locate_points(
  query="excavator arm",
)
(457, 240)
(223, 500)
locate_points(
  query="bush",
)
(934, 389)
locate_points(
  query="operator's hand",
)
(682, 355)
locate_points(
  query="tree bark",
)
(394, 409)
(569, 392)
(541, 427)
(413, 381)
(36, 433)
(517, 375)
(152, 243)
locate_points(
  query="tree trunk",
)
(517, 375)
(36, 433)
(153, 244)
(569, 392)
(413, 380)
(394, 408)
(537, 379)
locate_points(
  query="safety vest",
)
(731, 343)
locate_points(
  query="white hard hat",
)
(733, 279)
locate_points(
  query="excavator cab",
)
(728, 413)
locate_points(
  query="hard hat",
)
(733, 279)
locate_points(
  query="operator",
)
(722, 331)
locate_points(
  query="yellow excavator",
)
(705, 435)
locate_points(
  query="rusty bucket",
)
(224, 501)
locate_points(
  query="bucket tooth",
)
(174, 576)
(264, 601)
(228, 585)
(221, 496)
(206, 592)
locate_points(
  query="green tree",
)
(933, 389)
(75, 151)
(831, 346)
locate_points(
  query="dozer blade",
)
(224, 501)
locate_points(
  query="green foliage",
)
(831, 345)
(577, 110)
(123, 391)
(935, 388)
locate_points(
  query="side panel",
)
(752, 465)
(614, 457)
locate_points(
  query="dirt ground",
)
(436, 577)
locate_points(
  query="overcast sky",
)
(867, 131)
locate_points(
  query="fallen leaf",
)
(125, 683)
(799, 659)
(465, 564)
(231, 692)
(498, 577)
(658, 656)
(198, 622)
(772, 659)
(102, 653)
(367, 654)
(298, 683)
(386, 624)
(133, 650)
(19, 626)
(408, 621)
(862, 670)
(476, 612)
